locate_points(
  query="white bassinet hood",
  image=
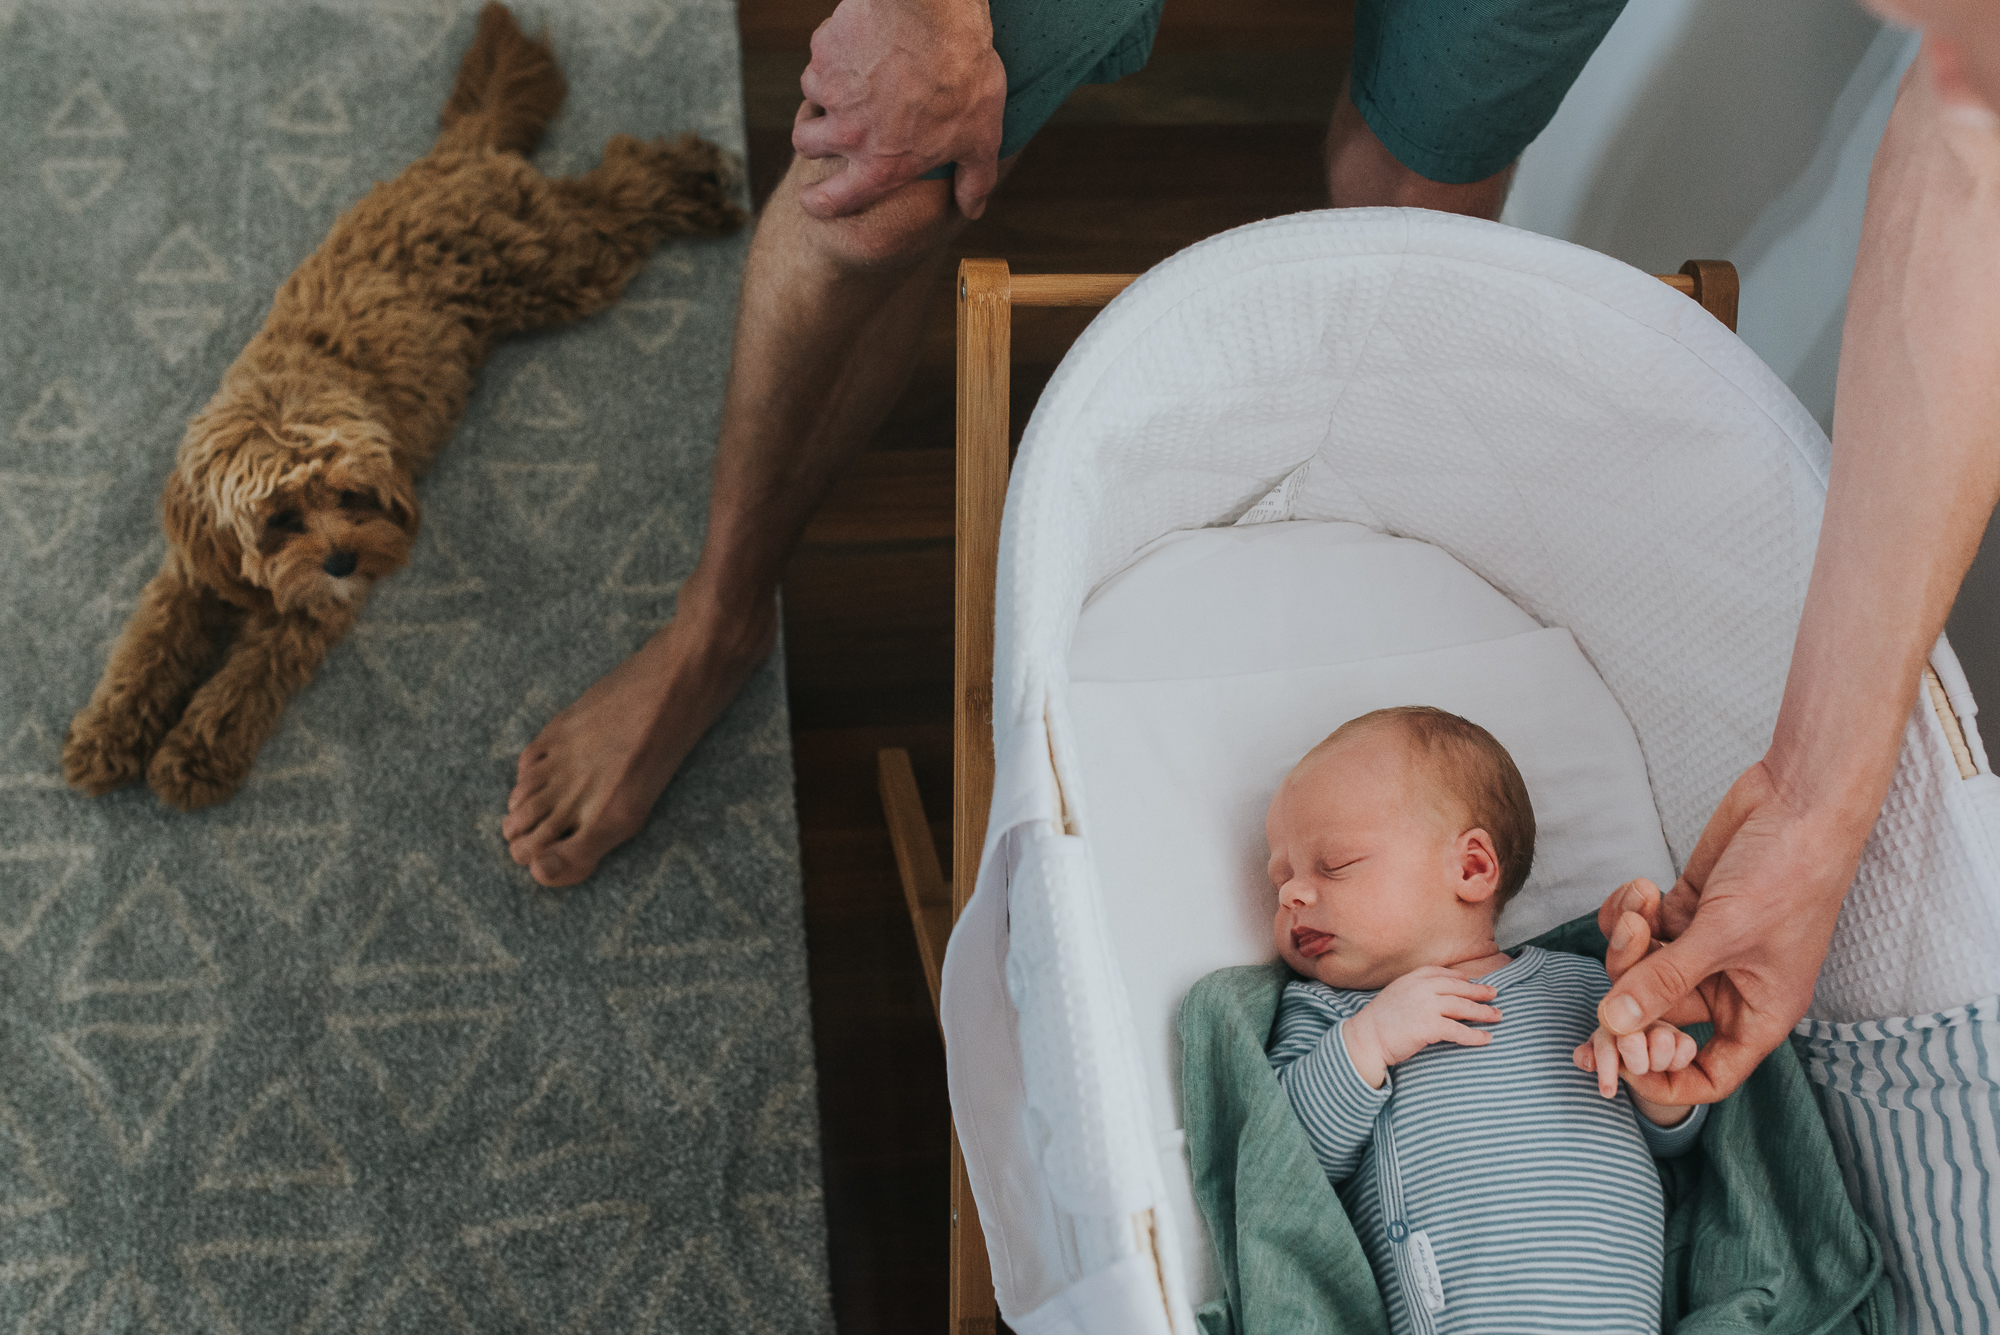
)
(1588, 440)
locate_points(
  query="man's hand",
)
(895, 88)
(1422, 1007)
(1746, 928)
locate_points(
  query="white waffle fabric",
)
(1592, 444)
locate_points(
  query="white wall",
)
(1743, 130)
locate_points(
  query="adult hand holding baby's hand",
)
(1423, 1007)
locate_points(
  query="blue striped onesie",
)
(1493, 1188)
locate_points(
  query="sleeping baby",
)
(1493, 1182)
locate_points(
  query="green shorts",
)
(1454, 88)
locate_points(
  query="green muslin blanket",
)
(1760, 1235)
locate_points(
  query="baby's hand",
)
(1422, 1007)
(1659, 1047)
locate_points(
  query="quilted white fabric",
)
(1591, 443)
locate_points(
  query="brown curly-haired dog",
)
(291, 494)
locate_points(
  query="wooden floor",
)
(1223, 128)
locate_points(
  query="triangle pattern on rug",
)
(539, 495)
(651, 322)
(417, 1301)
(701, 1024)
(421, 1061)
(537, 707)
(699, 1278)
(26, 1189)
(682, 910)
(120, 595)
(32, 877)
(184, 258)
(313, 108)
(43, 510)
(277, 1142)
(204, 25)
(436, 570)
(30, 758)
(59, 416)
(640, 28)
(124, 1306)
(160, 1062)
(175, 331)
(540, 1266)
(533, 399)
(296, 753)
(77, 183)
(420, 25)
(306, 177)
(45, 1278)
(428, 933)
(559, 1121)
(258, 1285)
(655, 558)
(264, 861)
(148, 944)
(85, 114)
(413, 660)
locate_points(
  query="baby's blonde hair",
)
(1470, 765)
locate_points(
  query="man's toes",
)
(524, 816)
(570, 860)
(525, 848)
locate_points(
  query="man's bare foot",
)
(588, 782)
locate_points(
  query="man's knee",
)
(908, 225)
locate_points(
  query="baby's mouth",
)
(1310, 943)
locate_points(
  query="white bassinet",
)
(1607, 456)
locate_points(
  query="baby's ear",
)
(1478, 866)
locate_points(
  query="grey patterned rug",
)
(321, 1059)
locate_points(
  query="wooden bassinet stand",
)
(987, 295)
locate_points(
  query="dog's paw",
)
(189, 773)
(99, 756)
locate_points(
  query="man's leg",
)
(1361, 171)
(826, 333)
(1442, 96)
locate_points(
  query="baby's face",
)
(1367, 869)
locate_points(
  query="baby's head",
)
(1394, 844)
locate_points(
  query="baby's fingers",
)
(1684, 1050)
(1661, 1046)
(1462, 1008)
(1463, 1035)
(1632, 1047)
(1604, 1051)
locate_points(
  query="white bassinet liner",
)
(1590, 442)
(1280, 633)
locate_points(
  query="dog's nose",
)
(341, 564)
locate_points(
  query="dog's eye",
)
(287, 521)
(358, 500)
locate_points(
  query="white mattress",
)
(1200, 675)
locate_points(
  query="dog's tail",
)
(508, 88)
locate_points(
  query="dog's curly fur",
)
(291, 494)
